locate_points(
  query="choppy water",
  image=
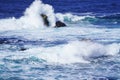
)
(86, 49)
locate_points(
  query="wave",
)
(111, 16)
(83, 51)
(33, 20)
(75, 52)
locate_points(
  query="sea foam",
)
(31, 18)
(32, 14)
(75, 52)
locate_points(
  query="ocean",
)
(87, 48)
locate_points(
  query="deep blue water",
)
(9, 8)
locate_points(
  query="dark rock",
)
(23, 49)
(46, 22)
(45, 19)
(60, 24)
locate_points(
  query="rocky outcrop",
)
(45, 19)
(46, 22)
(60, 24)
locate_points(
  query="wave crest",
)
(75, 52)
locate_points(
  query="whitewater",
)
(29, 50)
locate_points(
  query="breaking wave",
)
(75, 52)
(31, 18)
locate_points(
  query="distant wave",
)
(111, 16)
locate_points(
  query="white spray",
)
(74, 52)
(32, 14)
(31, 19)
